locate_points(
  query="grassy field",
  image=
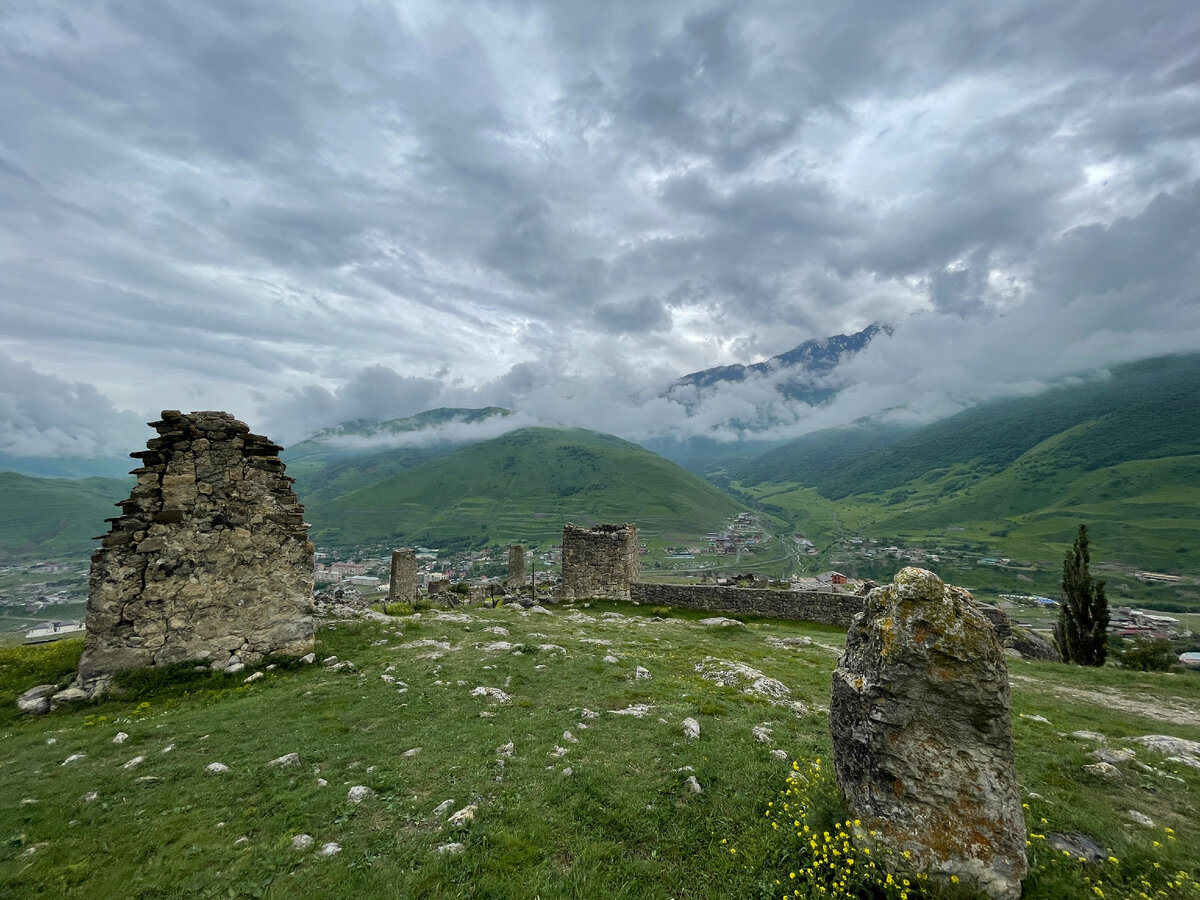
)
(592, 801)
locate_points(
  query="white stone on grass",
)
(464, 816)
(302, 841)
(493, 693)
(691, 728)
(234, 669)
(1103, 770)
(413, 752)
(780, 755)
(693, 785)
(559, 751)
(443, 808)
(134, 763)
(450, 849)
(641, 674)
(637, 710)
(1089, 736)
(359, 793)
(570, 738)
(762, 733)
(1140, 818)
(331, 849)
(288, 759)
(121, 738)
(216, 768)
(610, 659)
(74, 757)
(506, 749)
(252, 678)
(719, 621)
(90, 796)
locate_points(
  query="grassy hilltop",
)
(574, 795)
(523, 486)
(1011, 478)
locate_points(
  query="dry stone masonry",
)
(403, 585)
(922, 736)
(825, 607)
(516, 567)
(601, 561)
(210, 558)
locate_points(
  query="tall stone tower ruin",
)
(209, 559)
(403, 585)
(516, 567)
(601, 561)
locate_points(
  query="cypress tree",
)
(1082, 628)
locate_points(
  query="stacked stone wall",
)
(402, 588)
(210, 558)
(602, 561)
(826, 608)
(516, 566)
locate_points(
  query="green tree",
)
(1082, 628)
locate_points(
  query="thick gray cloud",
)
(308, 213)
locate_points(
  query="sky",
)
(309, 212)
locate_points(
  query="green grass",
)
(622, 825)
(522, 487)
(54, 517)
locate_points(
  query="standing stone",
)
(210, 558)
(516, 567)
(403, 587)
(922, 736)
(602, 561)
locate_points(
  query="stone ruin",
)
(602, 561)
(516, 567)
(402, 588)
(922, 736)
(209, 559)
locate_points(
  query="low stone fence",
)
(826, 608)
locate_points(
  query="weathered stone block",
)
(922, 738)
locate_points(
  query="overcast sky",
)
(310, 212)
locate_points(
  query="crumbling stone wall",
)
(601, 561)
(210, 558)
(403, 585)
(824, 607)
(516, 566)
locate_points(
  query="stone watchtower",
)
(516, 567)
(210, 558)
(403, 585)
(602, 561)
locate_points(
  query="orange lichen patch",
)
(898, 787)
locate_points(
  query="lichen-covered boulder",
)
(922, 737)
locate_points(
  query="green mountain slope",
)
(523, 486)
(1014, 478)
(361, 452)
(54, 517)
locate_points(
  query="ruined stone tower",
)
(403, 588)
(516, 567)
(210, 558)
(601, 561)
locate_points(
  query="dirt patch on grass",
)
(1173, 710)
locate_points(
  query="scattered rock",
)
(288, 759)
(780, 754)
(733, 674)
(540, 609)
(559, 751)
(494, 693)
(216, 768)
(1106, 755)
(331, 849)
(121, 738)
(308, 659)
(1089, 736)
(321, 782)
(1103, 770)
(922, 739)
(134, 763)
(1140, 818)
(444, 807)
(464, 816)
(505, 750)
(451, 849)
(90, 796)
(691, 728)
(568, 772)
(610, 659)
(762, 733)
(302, 841)
(244, 839)
(569, 738)
(70, 695)
(641, 674)
(1179, 750)
(1079, 846)
(693, 785)
(1042, 719)
(329, 661)
(36, 700)
(74, 757)
(719, 622)
(234, 668)
(637, 710)
(413, 752)
(359, 793)
(252, 678)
